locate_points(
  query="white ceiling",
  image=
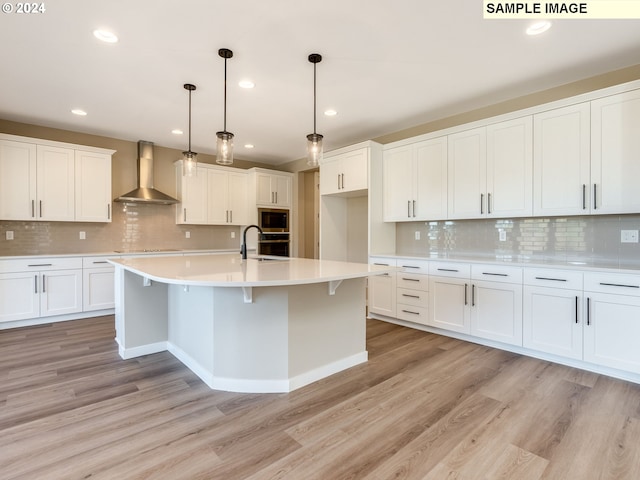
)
(386, 66)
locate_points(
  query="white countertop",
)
(122, 253)
(229, 270)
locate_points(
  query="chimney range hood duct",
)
(145, 193)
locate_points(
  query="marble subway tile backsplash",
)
(133, 227)
(590, 238)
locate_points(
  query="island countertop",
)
(230, 270)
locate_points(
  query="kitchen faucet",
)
(243, 247)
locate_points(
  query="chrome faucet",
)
(243, 247)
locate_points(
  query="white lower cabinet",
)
(19, 297)
(97, 284)
(449, 296)
(382, 289)
(412, 291)
(612, 325)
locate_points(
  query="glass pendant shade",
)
(224, 152)
(189, 164)
(314, 149)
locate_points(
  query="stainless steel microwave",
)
(273, 220)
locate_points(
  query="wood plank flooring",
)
(423, 407)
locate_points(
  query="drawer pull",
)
(496, 274)
(409, 311)
(619, 285)
(41, 265)
(409, 266)
(447, 270)
(552, 279)
(411, 296)
(383, 264)
(101, 261)
(410, 279)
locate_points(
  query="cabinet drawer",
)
(496, 273)
(616, 283)
(411, 313)
(413, 281)
(39, 264)
(412, 297)
(450, 269)
(97, 262)
(386, 261)
(410, 265)
(547, 277)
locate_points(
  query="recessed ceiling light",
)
(538, 27)
(177, 131)
(248, 145)
(79, 112)
(330, 113)
(246, 84)
(105, 36)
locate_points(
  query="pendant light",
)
(224, 152)
(189, 160)
(314, 140)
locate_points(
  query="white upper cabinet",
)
(53, 181)
(192, 193)
(273, 189)
(415, 181)
(467, 174)
(561, 179)
(344, 172)
(92, 186)
(615, 153)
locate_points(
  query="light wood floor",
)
(423, 407)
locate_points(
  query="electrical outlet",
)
(187, 234)
(83, 235)
(9, 235)
(502, 236)
(629, 236)
(417, 235)
(233, 234)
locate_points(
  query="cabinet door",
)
(19, 298)
(430, 179)
(612, 330)
(397, 184)
(330, 178)
(282, 188)
(561, 161)
(510, 169)
(449, 304)
(55, 183)
(217, 197)
(382, 294)
(552, 321)
(17, 180)
(355, 170)
(193, 201)
(237, 199)
(264, 192)
(61, 292)
(98, 289)
(615, 153)
(496, 311)
(467, 175)
(92, 187)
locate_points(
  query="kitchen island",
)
(255, 325)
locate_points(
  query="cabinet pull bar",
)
(619, 285)
(276, 197)
(481, 203)
(489, 203)
(184, 214)
(338, 181)
(496, 274)
(595, 197)
(383, 264)
(410, 296)
(108, 212)
(410, 279)
(584, 196)
(231, 216)
(35, 282)
(576, 309)
(40, 265)
(101, 261)
(341, 182)
(588, 311)
(552, 279)
(465, 293)
(409, 266)
(446, 270)
(33, 208)
(414, 208)
(408, 208)
(43, 284)
(40, 208)
(409, 311)
(473, 295)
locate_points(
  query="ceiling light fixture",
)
(314, 140)
(538, 27)
(224, 151)
(330, 113)
(249, 145)
(105, 36)
(177, 131)
(79, 112)
(246, 84)
(189, 160)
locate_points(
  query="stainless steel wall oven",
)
(275, 239)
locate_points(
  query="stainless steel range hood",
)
(145, 193)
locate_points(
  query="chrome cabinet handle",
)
(619, 285)
(588, 311)
(595, 197)
(576, 309)
(410, 279)
(481, 203)
(35, 282)
(409, 311)
(466, 287)
(410, 296)
(489, 203)
(43, 284)
(496, 274)
(584, 196)
(40, 208)
(473, 295)
(414, 208)
(446, 270)
(40, 265)
(552, 279)
(408, 208)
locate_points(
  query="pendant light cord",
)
(189, 120)
(225, 95)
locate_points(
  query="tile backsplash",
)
(133, 227)
(590, 238)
